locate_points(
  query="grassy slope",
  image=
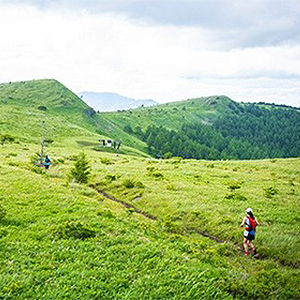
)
(132, 257)
(65, 116)
(171, 115)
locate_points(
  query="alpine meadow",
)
(146, 203)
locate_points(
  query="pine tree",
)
(81, 170)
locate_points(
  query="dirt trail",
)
(127, 205)
(152, 217)
(188, 229)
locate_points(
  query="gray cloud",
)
(251, 74)
(232, 23)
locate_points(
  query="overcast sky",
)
(166, 50)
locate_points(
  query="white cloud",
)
(112, 52)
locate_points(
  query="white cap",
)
(248, 210)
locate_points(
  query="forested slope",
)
(215, 128)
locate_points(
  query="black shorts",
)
(47, 167)
(250, 236)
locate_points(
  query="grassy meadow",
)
(60, 239)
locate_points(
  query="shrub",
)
(110, 177)
(271, 191)
(139, 184)
(234, 185)
(158, 175)
(128, 183)
(60, 160)
(81, 170)
(237, 197)
(13, 164)
(42, 108)
(72, 229)
(150, 169)
(49, 141)
(176, 159)
(35, 159)
(105, 213)
(37, 169)
(72, 157)
(3, 232)
(6, 138)
(171, 187)
(106, 161)
(2, 213)
(168, 155)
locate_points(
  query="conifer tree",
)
(81, 170)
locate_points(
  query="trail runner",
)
(250, 224)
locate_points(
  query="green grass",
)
(59, 239)
(131, 257)
(171, 115)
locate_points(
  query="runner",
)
(250, 223)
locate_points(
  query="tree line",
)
(245, 131)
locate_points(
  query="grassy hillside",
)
(63, 240)
(30, 109)
(172, 115)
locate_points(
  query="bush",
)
(106, 161)
(171, 187)
(129, 183)
(72, 229)
(60, 161)
(158, 175)
(2, 213)
(6, 138)
(106, 213)
(237, 197)
(3, 232)
(139, 184)
(110, 177)
(42, 108)
(168, 155)
(271, 191)
(234, 185)
(35, 160)
(81, 170)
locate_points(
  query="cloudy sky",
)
(165, 50)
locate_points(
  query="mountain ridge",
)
(107, 101)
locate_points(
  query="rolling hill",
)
(31, 108)
(214, 128)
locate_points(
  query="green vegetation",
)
(81, 170)
(139, 228)
(230, 131)
(61, 240)
(30, 108)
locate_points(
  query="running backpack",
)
(252, 223)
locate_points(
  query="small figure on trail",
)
(250, 223)
(47, 162)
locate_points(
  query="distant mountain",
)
(112, 101)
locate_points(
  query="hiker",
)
(47, 162)
(249, 234)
